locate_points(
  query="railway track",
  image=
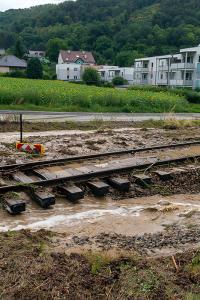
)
(99, 173)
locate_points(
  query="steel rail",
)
(44, 163)
(90, 175)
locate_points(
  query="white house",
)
(107, 73)
(69, 72)
(71, 64)
(177, 70)
(36, 53)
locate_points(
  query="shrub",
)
(91, 76)
(118, 81)
(34, 69)
(192, 96)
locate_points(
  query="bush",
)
(91, 76)
(192, 96)
(15, 74)
(34, 69)
(118, 81)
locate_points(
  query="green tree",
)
(53, 48)
(118, 80)
(19, 50)
(34, 69)
(91, 76)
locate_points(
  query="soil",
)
(73, 142)
(31, 269)
(141, 245)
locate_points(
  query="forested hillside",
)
(117, 31)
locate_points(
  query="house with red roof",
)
(71, 64)
(76, 57)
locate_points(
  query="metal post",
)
(21, 128)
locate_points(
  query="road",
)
(85, 117)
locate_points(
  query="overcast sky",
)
(7, 4)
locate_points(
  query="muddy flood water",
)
(92, 216)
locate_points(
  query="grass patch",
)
(18, 93)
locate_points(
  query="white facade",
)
(36, 53)
(73, 72)
(69, 72)
(107, 73)
(179, 70)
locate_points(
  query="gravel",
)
(170, 238)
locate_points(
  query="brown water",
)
(92, 216)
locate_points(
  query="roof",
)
(157, 57)
(72, 56)
(12, 61)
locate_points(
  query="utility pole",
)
(21, 128)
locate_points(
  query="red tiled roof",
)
(72, 56)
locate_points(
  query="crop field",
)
(62, 96)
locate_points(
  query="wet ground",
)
(92, 215)
(77, 142)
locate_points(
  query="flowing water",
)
(92, 215)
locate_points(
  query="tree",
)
(19, 49)
(53, 48)
(118, 80)
(91, 76)
(34, 69)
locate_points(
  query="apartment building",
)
(72, 64)
(107, 73)
(177, 70)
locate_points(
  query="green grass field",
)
(61, 96)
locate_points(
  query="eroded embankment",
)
(30, 268)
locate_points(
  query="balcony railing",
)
(163, 68)
(142, 69)
(180, 82)
(182, 66)
(162, 81)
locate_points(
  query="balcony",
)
(163, 68)
(142, 69)
(144, 81)
(162, 82)
(183, 66)
(180, 82)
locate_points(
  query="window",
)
(67, 76)
(172, 75)
(75, 69)
(67, 69)
(188, 76)
(161, 76)
(75, 77)
(152, 65)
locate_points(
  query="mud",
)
(74, 142)
(92, 216)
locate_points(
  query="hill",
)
(116, 31)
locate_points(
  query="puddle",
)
(92, 216)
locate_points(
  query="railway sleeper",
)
(98, 188)
(14, 206)
(163, 175)
(72, 193)
(121, 184)
(142, 180)
(45, 200)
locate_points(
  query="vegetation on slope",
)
(62, 96)
(116, 31)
